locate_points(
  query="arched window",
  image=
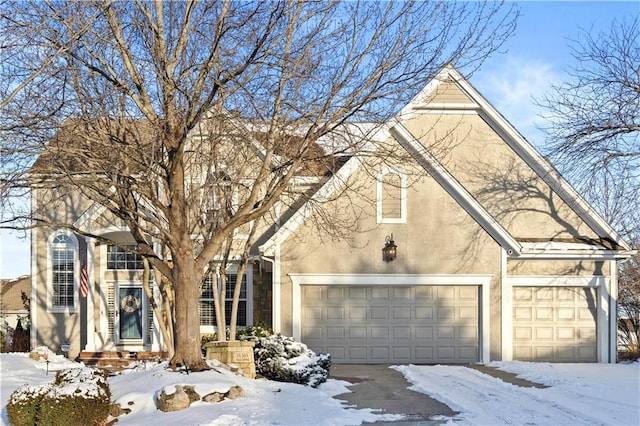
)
(64, 269)
(391, 197)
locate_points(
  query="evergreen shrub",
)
(76, 397)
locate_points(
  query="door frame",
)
(118, 340)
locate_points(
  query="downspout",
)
(613, 312)
(275, 287)
(33, 307)
(276, 278)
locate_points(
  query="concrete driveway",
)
(384, 390)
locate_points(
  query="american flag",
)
(84, 282)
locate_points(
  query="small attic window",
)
(391, 197)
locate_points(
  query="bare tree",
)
(594, 136)
(629, 310)
(188, 120)
(594, 121)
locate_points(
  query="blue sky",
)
(537, 56)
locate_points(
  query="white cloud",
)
(512, 88)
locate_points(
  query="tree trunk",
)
(219, 306)
(188, 351)
(165, 326)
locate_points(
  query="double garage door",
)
(389, 324)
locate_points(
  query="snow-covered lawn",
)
(578, 394)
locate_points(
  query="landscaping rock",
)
(179, 400)
(213, 397)
(191, 392)
(235, 392)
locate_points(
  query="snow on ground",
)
(585, 394)
(578, 394)
(265, 402)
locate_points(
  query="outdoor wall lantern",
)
(389, 252)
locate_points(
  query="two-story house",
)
(471, 248)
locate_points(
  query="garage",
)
(554, 324)
(392, 323)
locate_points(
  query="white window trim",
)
(403, 196)
(76, 272)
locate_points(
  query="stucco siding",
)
(439, 237)
(497, 177)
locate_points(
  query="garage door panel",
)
(401, 353)
(335, 313)
(420, 324)
(312, 312)
(401, 333)
(467, 313)
(379, 353)
(401, 293)
(401, 313)
(446, 333)
(423, 313)
(334, 333)
(424, 293)
(357, 293)
(380, 312)
(466, 352)
(467, 293)
(357, 333)
(380, 333)
(357, 313)
(554, 324)
(446, 293)
(357, 353)
(445, 313)
(467, 333)
(335, 293)
(423, 333)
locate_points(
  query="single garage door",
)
(392, 324)
(554, 324)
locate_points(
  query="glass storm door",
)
(130, 313)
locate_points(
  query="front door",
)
(130, 313)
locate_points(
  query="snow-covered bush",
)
(77, 396)
(283, 359)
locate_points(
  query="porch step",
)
(119, 360)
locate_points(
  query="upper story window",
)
(207, 309)
(64, 270)
(391, 197)
(123, 258)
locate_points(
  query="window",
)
(64, 266)
(119, 258)
(207, 309)
(391, 197)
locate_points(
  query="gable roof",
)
(438, 95)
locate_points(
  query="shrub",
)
(254, 331)
(77, 396)
(283, 359)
